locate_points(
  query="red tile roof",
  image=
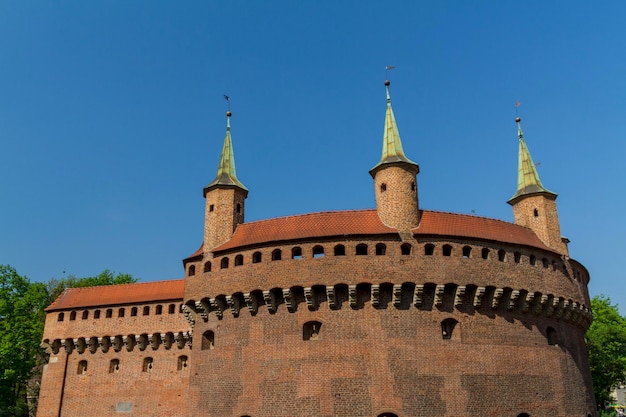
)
(367, 222)
(314, 225)
(436, 223)
(144, 292)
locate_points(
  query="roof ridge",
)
(290, 216)
(472, 215)
(127, 283)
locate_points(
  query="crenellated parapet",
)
(402, 296)
(105, 344)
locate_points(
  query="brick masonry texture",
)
(385, 319)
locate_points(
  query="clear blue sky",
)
(112, 119)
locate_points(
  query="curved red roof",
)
(367, 222)
(144, 292)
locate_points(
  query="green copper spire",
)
(528, 182)
(226, 175)
(392, 146)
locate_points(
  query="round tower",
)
(225, 198)
(533, 205)
(395, 181)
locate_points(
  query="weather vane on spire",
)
(387, 69)
(519, 103)
(228, 100)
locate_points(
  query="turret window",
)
(381, 249)
(340, 250)
(208, 340)
(447, 250)
(447, 327)
(535, 212)
(207, 267)
(361, 249)
(82, 368)
(192, 270)
(171, 309)
(405, 249)
(238, 208)
(318, 252)
(182, 362)
(296, 253)
(383, 187)
(211, 207)
(277, 255)
(311, 330)
(61, 316)
(114, 366)
(238, 260)
(429, 249)
(256, 257)
(147, 365)
(224, 263)
(413, 186)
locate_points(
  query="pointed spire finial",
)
(392, 145)
(226, 173)
(528, 182)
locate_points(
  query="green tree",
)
(21, 328)
(56, 286)
(606, 344)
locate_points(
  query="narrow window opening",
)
(256, 257)
(447, 250)
(277, 255)
(545, 262)
(96, 314)
(146, 310)
(311, 330)
(532, 260)
(147, 365)
(535, 212)
(447, 327)
(208, 340)
(211, 207)
(224, 263)
(501, 255)
(467, 250)
(192, 270)
(340, 250)
(381, 249)
(182, 362)
(551, 336)
(528, 415)
(121, 312)
(82, 368)
(429, 249)
(171, 309)
(361, 249)
(296, 253)
(133, 311)
(109, 313)
(318, 252)
(238, 208)
(85, 314)
(383, 187)
(72, 316)
(61, 317)
(159, 310)
(413, 186)
(114, 366)
(517, 257)
(485, 253)
(405, 249)
(387, 415)
(238, 260)
(207, 267)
